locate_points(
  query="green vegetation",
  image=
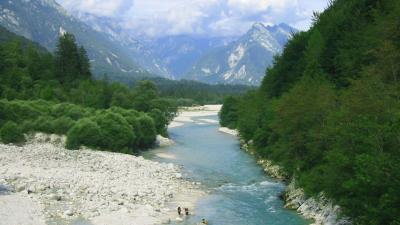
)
(84, 132)
(11, 133)
(328, 110)
(189, 92)
(56, 94)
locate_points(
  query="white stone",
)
(69, 213)
(90, 180)
(163, 141)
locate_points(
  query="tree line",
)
(328, 110)
(42, 92)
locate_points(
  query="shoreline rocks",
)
(320, 209)
(163, 141)
(228, 131)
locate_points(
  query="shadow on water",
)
(239, 191)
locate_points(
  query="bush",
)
(27, 126)
(147, 132)
(40, 105)
(18, 111)
(2, 113)
(160, 121)
(43, 124)
(116, 133)
(85, 132)
(62, 125)
(11, 133)
(69, 110)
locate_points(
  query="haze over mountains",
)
(44, 20)
(119, 53)
(243, 61)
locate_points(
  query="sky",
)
(198, 17)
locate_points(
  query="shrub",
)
(43, 124)
(62, 125)
(72, 111)
(160, 121)
(18, 111)
(147, 131)
(40, 105)
(2, 113)
(85, 132)
(11, 133)
(27, 126)
(116, 133)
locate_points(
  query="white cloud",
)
(97, 7)
(206, 17)
(259, 5)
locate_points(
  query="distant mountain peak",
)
(53, 4)
(258, 26)
(243, 61)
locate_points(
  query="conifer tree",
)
(67, 59)
(84, 63)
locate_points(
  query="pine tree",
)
(84, 63)
(67, 59)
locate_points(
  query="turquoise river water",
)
(239, 192)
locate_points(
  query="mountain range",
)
(43, 21)
(122, 55)
(243, 61)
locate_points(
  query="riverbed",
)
(238, 191)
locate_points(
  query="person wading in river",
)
(179, 210)
(187, 211)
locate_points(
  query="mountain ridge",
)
(43, 21)
(118, 52)
(245, 60)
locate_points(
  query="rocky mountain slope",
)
(44, 20)
(122, 55)
(7, 36)
(139, 51)
(171, 56)
(180, 52)
(245, 60)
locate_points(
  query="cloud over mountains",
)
(199, 17)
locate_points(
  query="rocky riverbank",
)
(43, 183)
(186, 114)
(320, 209)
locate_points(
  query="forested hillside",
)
(43, 21)
(189, 92)
(328, 110)
(41, 92)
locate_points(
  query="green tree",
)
(145, 92)
(147, 131)
(71, 62)
(67, 60)
(229, 112)
(84, 63)
(160, 121)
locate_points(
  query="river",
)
(238, 191)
